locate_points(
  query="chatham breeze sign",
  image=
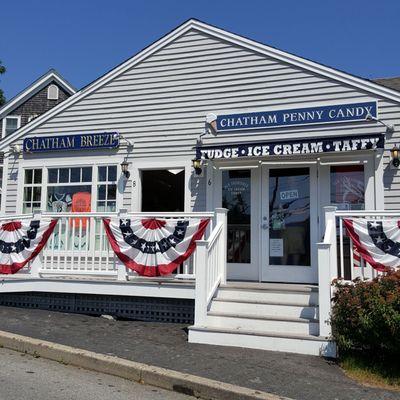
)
(293, 117)
(87, 141)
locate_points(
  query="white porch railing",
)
(337, 258)
(211, 258)
(79, 245)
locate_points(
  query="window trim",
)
(31, 185)
(34, 164)
(4, 123)
(57, 96)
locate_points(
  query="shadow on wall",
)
(198, 192)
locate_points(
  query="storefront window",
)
(107, 188)
(236, 197)
(347, 193)
(32, 190)
(347, 187)
(71, 189)
(63, 192)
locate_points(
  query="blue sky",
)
(82, 39)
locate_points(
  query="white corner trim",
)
(280, 55)
(4, 122)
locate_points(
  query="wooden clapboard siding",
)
(160, 104)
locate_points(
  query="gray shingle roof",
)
(392, 83)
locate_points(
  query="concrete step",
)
(283, 295)
(304, 287)
(264, 323)
(260, 307)
(269, 340)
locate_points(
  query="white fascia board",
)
(63, 83)
(331, 73)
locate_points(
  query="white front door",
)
(289, 223)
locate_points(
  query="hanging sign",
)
(87, 141)
(376, 241)
(290, 117)
(315, 146)
(21, 241)
(154, 247)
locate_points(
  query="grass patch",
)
(372, 372)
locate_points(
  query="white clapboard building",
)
(200, 122)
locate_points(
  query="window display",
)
(347, 187)
(70, 189)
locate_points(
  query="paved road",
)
(23, 377)
(165, 345)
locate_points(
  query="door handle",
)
(264, 225)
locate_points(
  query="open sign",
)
(289, 195)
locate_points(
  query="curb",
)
(180, 382)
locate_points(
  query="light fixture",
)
(124, 169)
(395, 156)
(369, 117)
(16, 149)
(196, 162)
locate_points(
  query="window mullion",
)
(95, 184)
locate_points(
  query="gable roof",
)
(393, 83)
(50, 76)
(194, 24)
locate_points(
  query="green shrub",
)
(366, 316)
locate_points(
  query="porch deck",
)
(274, 316)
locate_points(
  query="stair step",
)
(263, 317)
(264, 340)
(259, 333)
(309, 297)
(260, 307)
(291, 287)
(266, 323)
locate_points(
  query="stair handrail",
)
(210, 262)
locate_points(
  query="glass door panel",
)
(289, 216)
(289, 198)
(238, 194)
(236, 197)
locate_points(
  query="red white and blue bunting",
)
(21, 241)
(376, 241)
(154, 247)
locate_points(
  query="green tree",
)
(2, 98)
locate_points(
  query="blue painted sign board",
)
(297, 116)
(87, 141)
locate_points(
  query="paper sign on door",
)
(276, 247)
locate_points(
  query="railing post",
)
(324, 288)
(37, 263)
(327, 269)
(200, 301)
(331, 216)
(122, 273)
(221, 215)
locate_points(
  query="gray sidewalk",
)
(165, 345)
